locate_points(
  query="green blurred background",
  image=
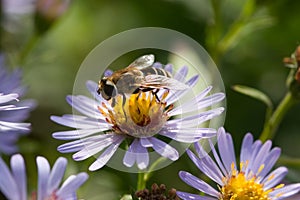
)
(263, 32)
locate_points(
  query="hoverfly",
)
(139, 76)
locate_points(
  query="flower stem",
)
(143, 177)
(28, 47)
(272, 124)
(141, 183)
(289, 162)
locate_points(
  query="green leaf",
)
(254, 93)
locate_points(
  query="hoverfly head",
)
(107, 89)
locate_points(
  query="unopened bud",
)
(297, 55)
(288, 61)
(48, 11)
(293, 79)
(297, 76)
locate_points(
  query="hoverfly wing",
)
(143, 62)
(158, 81)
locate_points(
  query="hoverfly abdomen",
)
(155, 71)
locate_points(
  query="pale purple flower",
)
(12, 110)
(18, 7)
(49, 180)
(252, 178)
(52, 9)
(13, 181)
(102, 128)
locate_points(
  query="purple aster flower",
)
(13, 181)
(18, 7)
(12, 111)
(142, 120)
(250, 179)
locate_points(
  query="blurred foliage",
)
(247, 39)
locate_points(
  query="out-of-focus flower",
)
(15, 13)
(47, 12)
(18, 7)
(52, 9)
(140, 119)
(250, 179)
(13, 181)
(12, 111)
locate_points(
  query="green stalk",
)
(28, 48)
(289, 162)
(272, 124)
(141, 183)
(143, 177)
(214, 31)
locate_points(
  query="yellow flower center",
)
(241, 187)
(139, 115)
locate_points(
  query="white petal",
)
(106, 155)
(74, 134)
(56, 174)
(164, 149)
(181, 74)
(95, 147)
(194, 120)
(142, 157)
(86, 123)
(8, 184)
(226, 149)
(43, 176)
(188, 135)
(206, 165)
(19, 172)
(285, 191)
(275, 177)
(129, 157)
(198, 102)
(85, 106)
(198, 184)
(246, 148)
(71, 185)
(261, 156)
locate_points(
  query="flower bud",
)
(47, 12)
(157, 193)
(293, 79)
(297, 55)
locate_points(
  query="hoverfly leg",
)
(113, 102)
(124, 100)
(139, 94)
(154, 92)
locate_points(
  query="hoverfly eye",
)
(109, 90)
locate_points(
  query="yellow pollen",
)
(261, 168)
(271, 177)
(139, 115)
(279, 186)
(241, 165)
(241, 187)
(233, 170)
